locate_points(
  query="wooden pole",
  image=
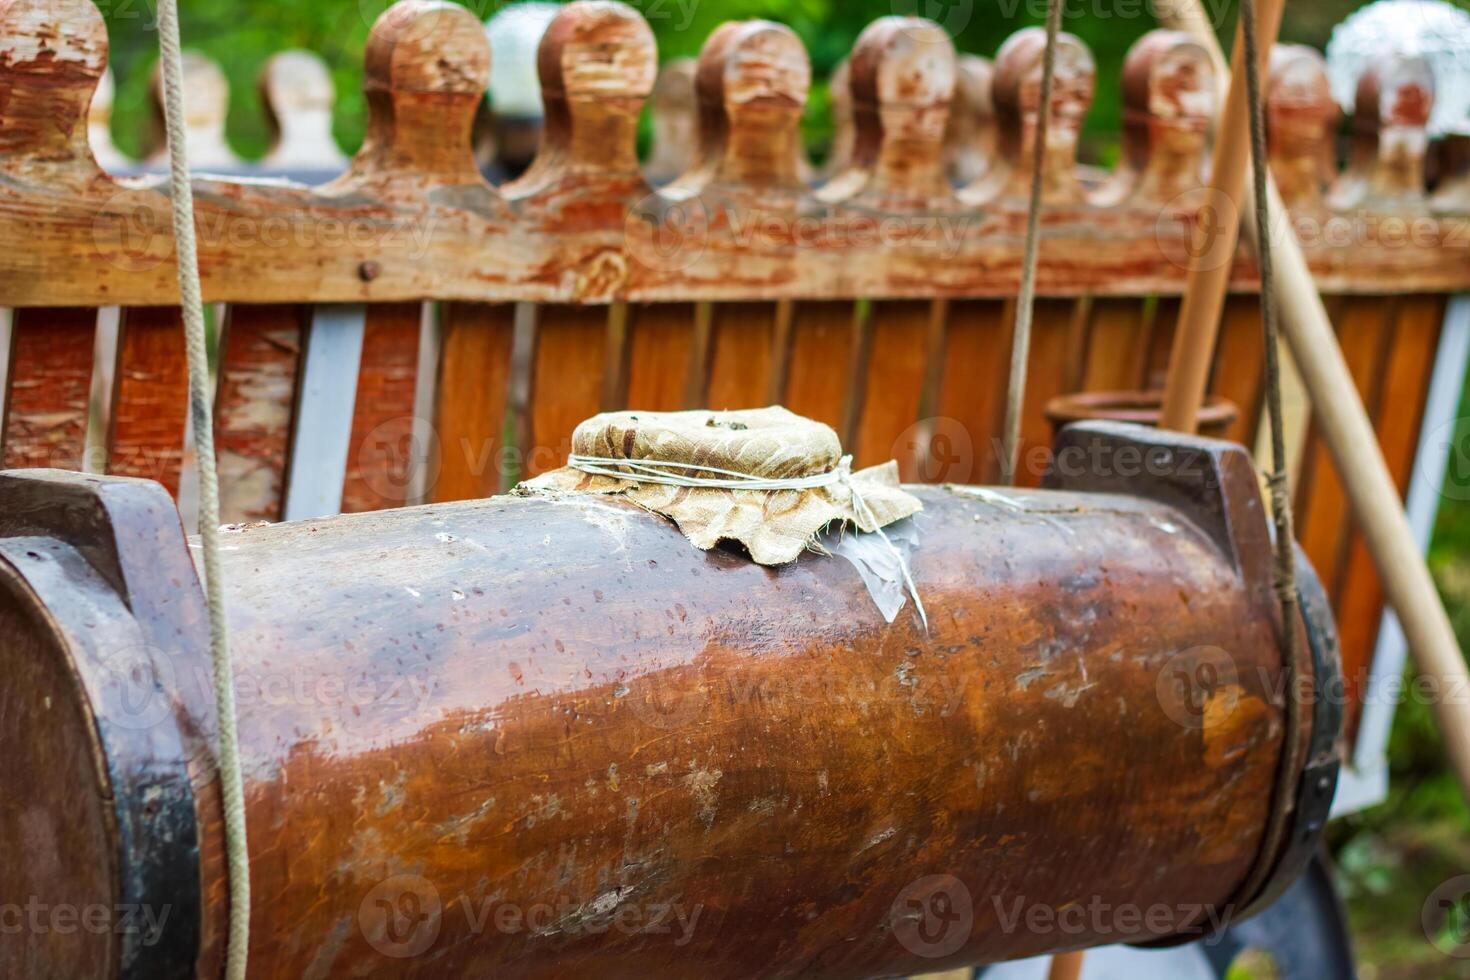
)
(1066, 966)
(1215, 242)
(1354, 446)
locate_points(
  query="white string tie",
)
(673, 474)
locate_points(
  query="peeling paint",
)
(701, 783)
(1030, 676)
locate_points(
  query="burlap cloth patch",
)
(775, 526)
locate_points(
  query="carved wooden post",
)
(1386, 169)
(299, 95)
(902, 77)
(1169, 99)
(99, 127)
(598, 63)
(675, 122)
(426, 67)
(206, 109)
(839, 96)
(902, 80)
(1055, 364)
(53, 54)
(1017, 101)
(970, 138)
(585, 191)
(752, 82)
(46, 89)
(1301, 120)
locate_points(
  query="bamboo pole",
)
(1353, 444)
(1210, 267)
(1066, 966)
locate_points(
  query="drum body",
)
(534, 738)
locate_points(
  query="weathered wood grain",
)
(386, 437)
(1053, 351)
(923, 201)
(562, 704)
(1169, 101)
(897, 368)
(1239, 374)
(977, 348)
(743, 356)
(902, 77)
(660, 356)
(413, 220)
(1358, 592)
(471, 414)
(1363, 329)
(1301, 120)
(149, 397)
(567, 381)
(1017, 93)
(819, 376)
(260, 361)
(1117, 346)
(50, 382)
(1386, 166)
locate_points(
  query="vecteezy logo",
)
(1197, 229)
(667, 700)
(406, 23)
(933, 916)
(1446, 917)
(133, 683)
(399, 458)
(400, 916)
(1451, 441)
(1197, 686)
(667, 235)
(940, 448)
(132, 231)
(952, 15)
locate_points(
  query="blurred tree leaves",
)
(241, 36)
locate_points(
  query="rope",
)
(673, 474)
(1285, 578)
(1026, 301)
(200, 414)
(668, 474)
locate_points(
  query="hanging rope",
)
(202, 418)
(1026, 301)
(1280, 497)
(1286, 587)
(1064, 966)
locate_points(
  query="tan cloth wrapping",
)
(775, 526)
